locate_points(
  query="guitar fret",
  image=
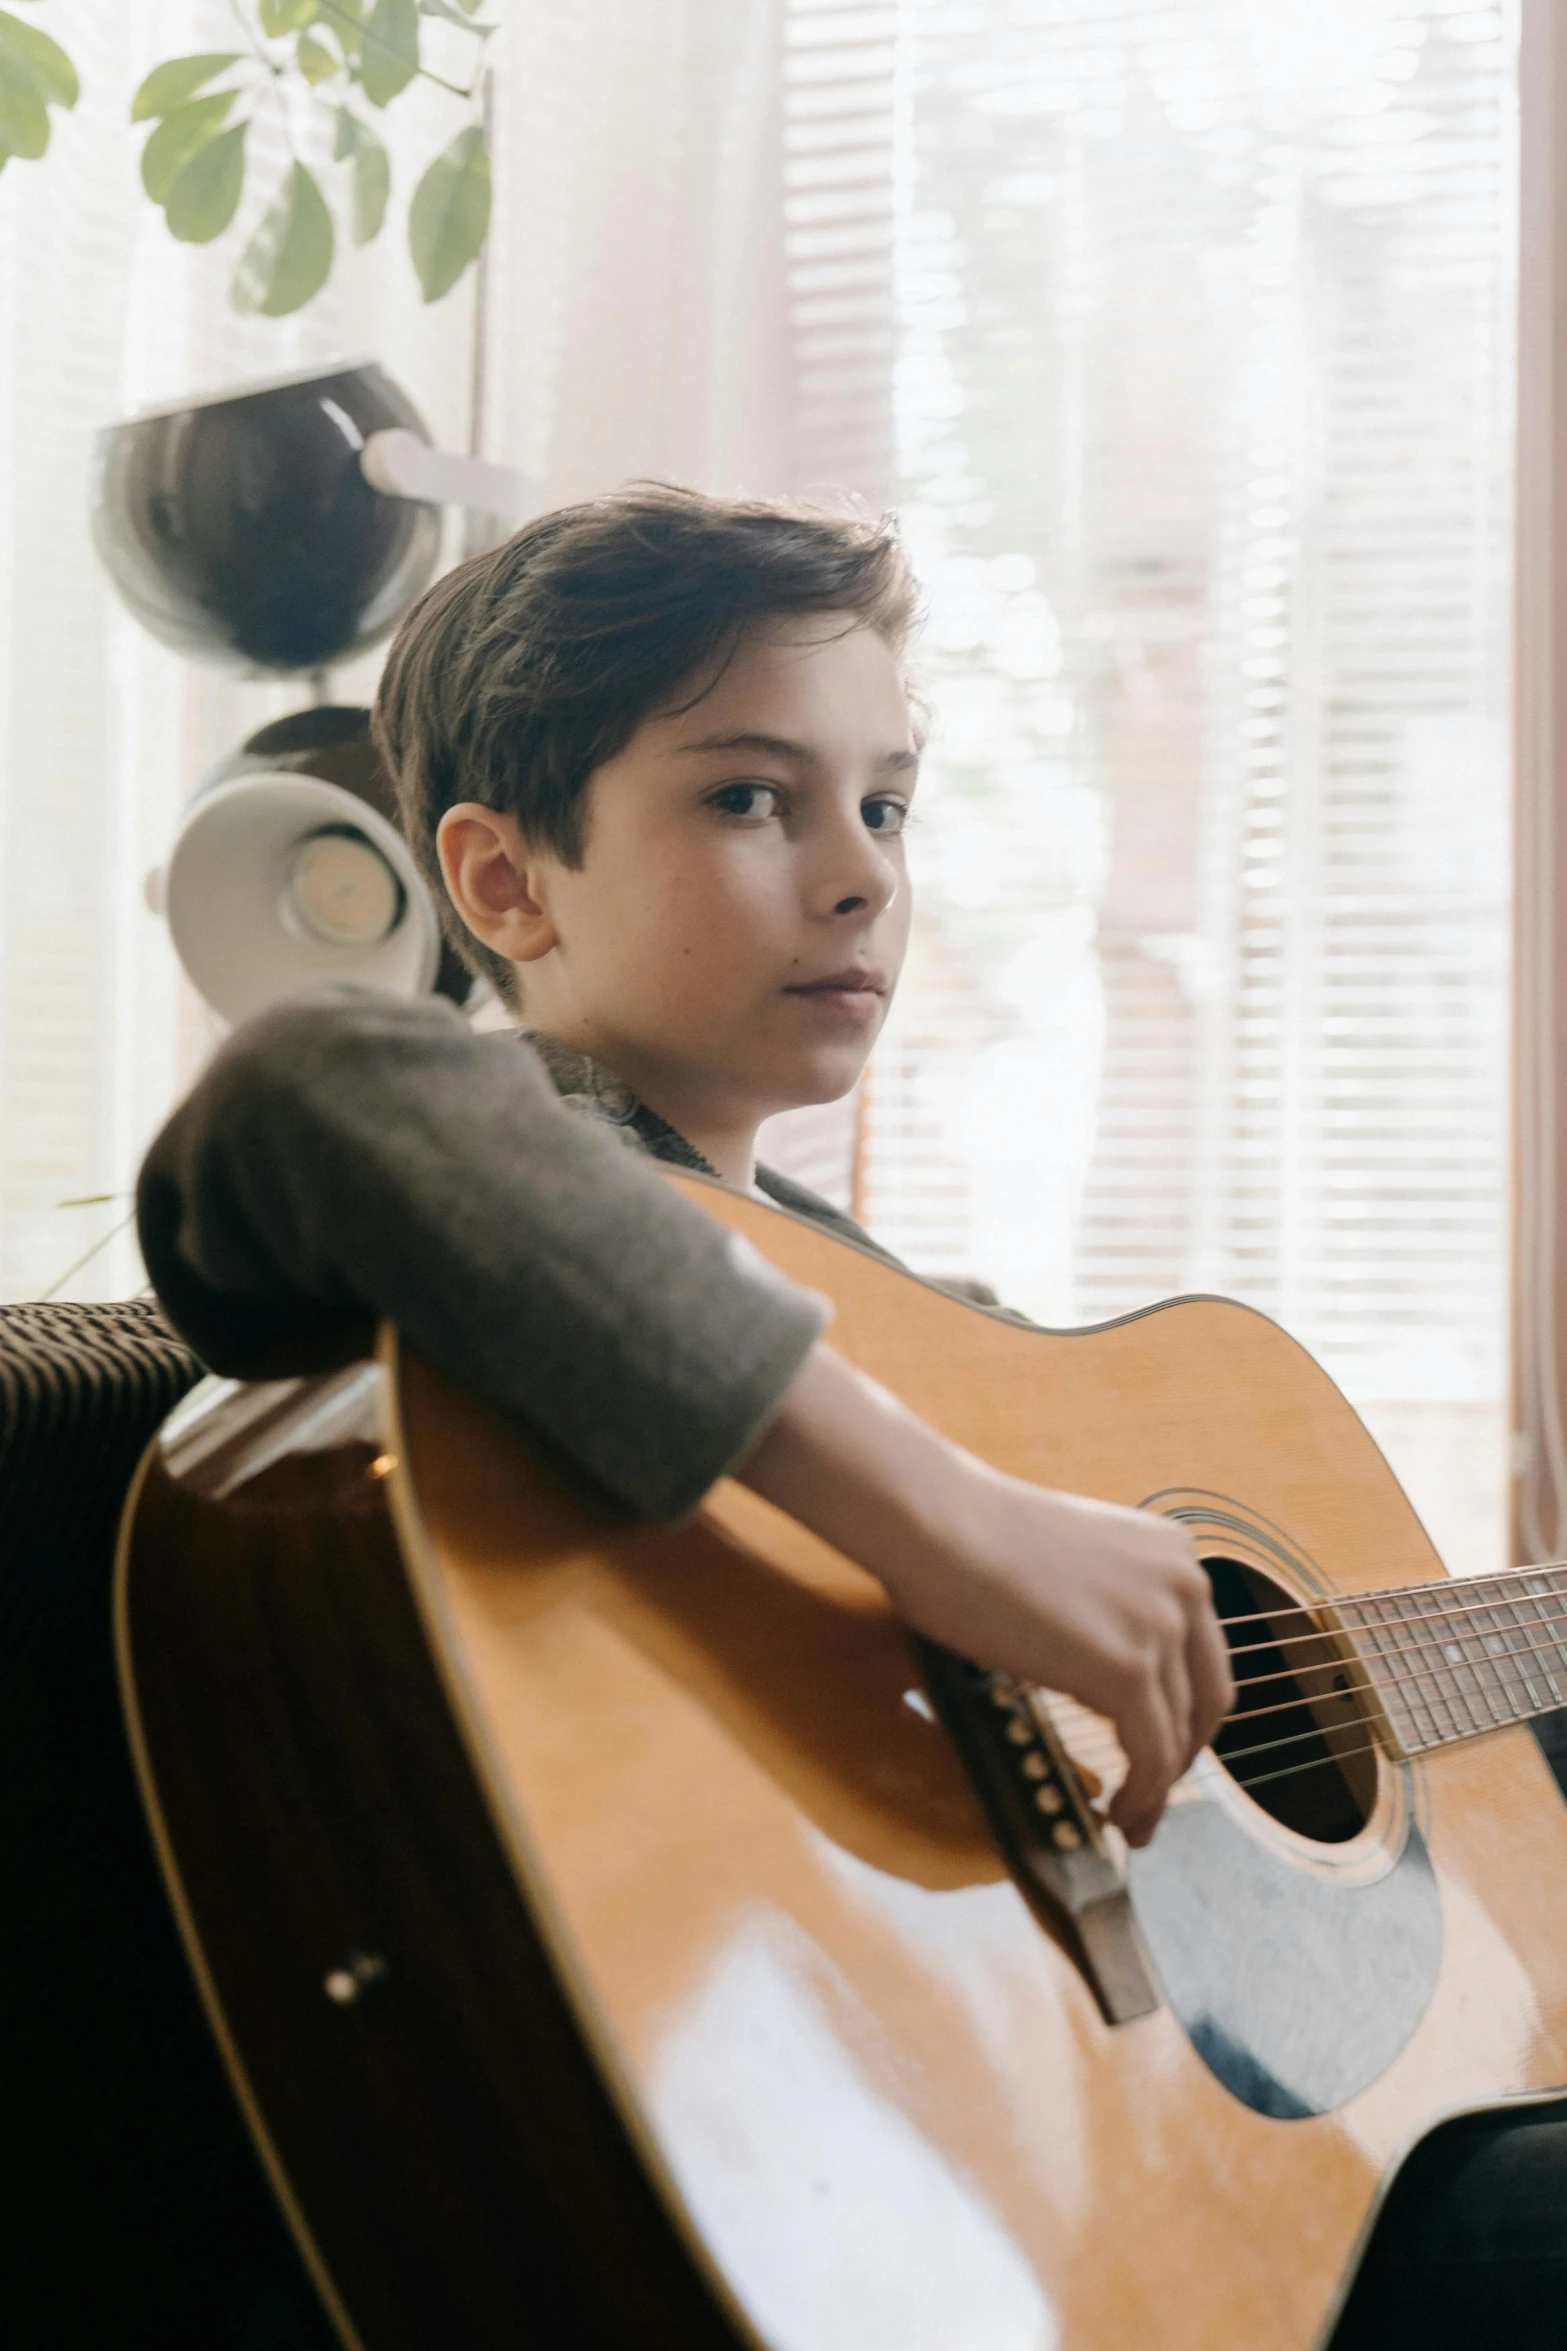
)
(1490, 1646)
(1490, 1635)
(1454, 1659)
(1517, 1636)
(1543, 1633)
(1547, 1597)
(1464, 1658)
(1518, 1652)
(1398, 1688)
(1465, 1650)
(1427, 1653)
(1494, 1665)
(1414, 1680)
(1354, 1616)
(1443, 1649)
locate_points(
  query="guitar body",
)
(608, 1944)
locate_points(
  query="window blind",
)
(838, 89)
(638, 326)
(839, 85)
(1204, 368)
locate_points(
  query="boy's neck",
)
(728, 1146)
(732, 1155)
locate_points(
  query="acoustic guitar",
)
(625, 1936)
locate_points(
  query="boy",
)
(655, 756)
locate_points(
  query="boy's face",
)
(731, 939)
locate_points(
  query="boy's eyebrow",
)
(781, 747)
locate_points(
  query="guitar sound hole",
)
(1297, 1740)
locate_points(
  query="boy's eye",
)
(884, 816)
(747, 799)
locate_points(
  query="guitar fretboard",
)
(1452, 1659)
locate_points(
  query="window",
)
(103, 733)
(1204, 388)
(1183, 333)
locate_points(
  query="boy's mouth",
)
(853, 990)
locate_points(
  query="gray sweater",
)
(349, 1153)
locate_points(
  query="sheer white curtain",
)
(1206, 381)
(1195, 325)
(639, 322)
(103, 734)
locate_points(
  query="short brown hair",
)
(528, 667)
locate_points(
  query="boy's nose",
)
(862, 878)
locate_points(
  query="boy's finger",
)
(1148, 1740)
(1176, 1678)
(1212, 1680)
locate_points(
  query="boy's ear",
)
(494, 877)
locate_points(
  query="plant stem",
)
(422, 72)
(71, 1271)
(252, 42)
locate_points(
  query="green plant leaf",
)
(372, 187)
(457, 12)
(372, 177)
(205, 193)
(24, 118)
(285, 16)
(347, 20)
(52, 70)
(177, 138)
(290, 256)
(315, 60)
(449, 217)
(390, 57)
(169, 85)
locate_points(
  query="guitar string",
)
(1397, 1624)
(1437, 1651)
(1301, 1698)
(1495, 1722)
(1506, 1595)
(1102, 1765)
(1419, 1682)
(1104, 1754)
(1231, 1756)
(1103, 1762)
(1445, 1674)
(1436, 1672)
(1262, 1747)
(1365, 1747)
(1438, 1648)
(1444, 1696)
(1290, 1771)
(1543, 1567)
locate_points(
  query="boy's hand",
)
(1108, 1605)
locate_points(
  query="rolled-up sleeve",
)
(349, 1153)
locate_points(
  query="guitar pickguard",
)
(1296, 1989)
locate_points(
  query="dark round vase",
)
(242, 531)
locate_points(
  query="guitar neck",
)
(1447, 1661)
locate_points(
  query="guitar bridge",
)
(1038, 1807)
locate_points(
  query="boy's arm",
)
(1107, 1604)
(348, 1154)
